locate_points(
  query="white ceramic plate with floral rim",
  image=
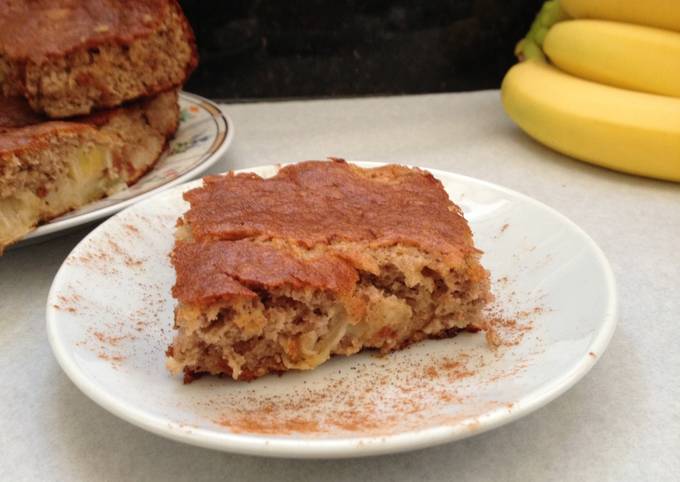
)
(109, 320)
(203, 136)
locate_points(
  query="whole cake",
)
(325, 258)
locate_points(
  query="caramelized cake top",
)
(219, 269)
(38, 29)
(23, 130)
(320, 202)
(15, 112)
(309, 206)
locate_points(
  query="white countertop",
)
(622, 422)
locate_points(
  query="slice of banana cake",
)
(325, 258)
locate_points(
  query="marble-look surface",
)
(622, 422)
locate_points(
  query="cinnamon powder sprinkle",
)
(260, 426)
(68, 303)
(369, 397)
(373, 399)
(110, 339)
(129, 261)
(378, 398)
(508, 330)
(131, 229)
(108, 357)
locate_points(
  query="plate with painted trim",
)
(205, 132)
(110, 316)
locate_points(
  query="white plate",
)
(109, 317)
(203, 136)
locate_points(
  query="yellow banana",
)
(630, 131)
(530, 46)
(619, 54)
(654, 13)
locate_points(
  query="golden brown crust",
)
(36, 137)
(34, 30)
(225, 269)
(69, 57)
(23, 131)
(15, 112)
(318, 202)
(190, 37)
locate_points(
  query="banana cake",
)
(50, 167)
(324, 258)
(69, 57)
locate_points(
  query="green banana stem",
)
(531, 46)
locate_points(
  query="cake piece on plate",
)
(50, 167)
(323, 259)
(70, 57)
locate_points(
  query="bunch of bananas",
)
(599, 80)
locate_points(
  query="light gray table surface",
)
(621, 422)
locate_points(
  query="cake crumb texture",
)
(68, 57)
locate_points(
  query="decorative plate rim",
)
(361, 446)
(206, 160)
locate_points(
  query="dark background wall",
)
(317, 48)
